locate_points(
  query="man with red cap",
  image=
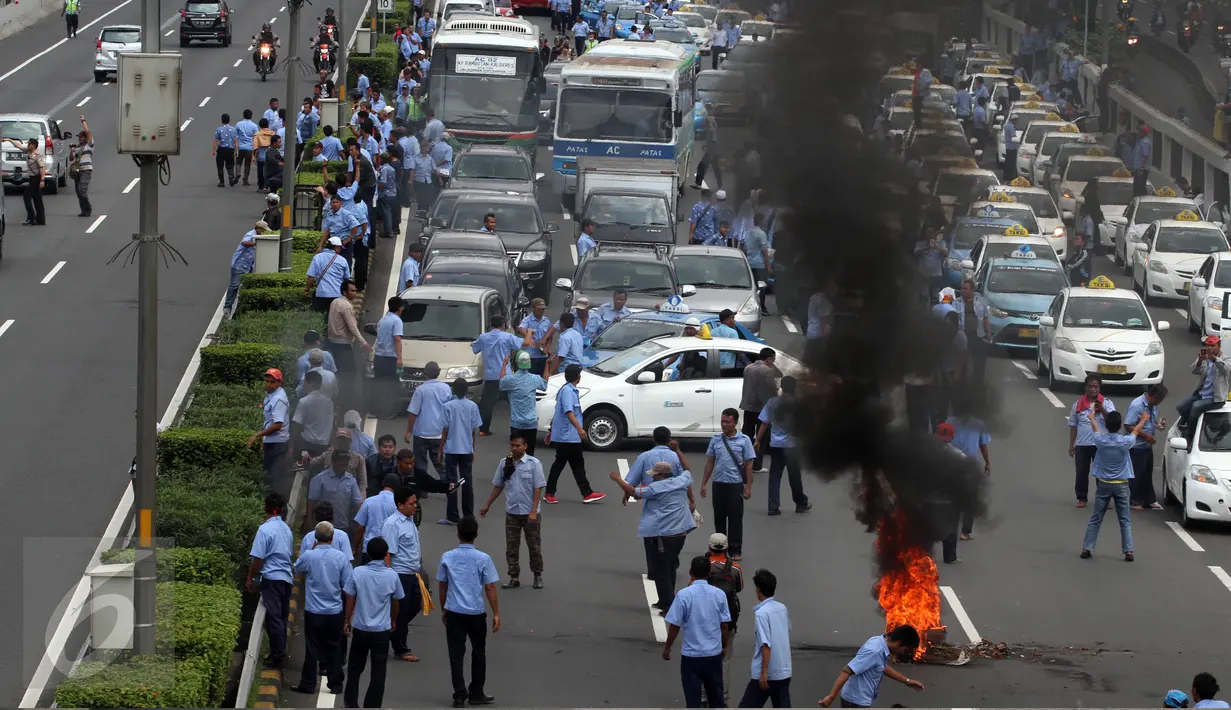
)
(1142, 151)
(1214, 368)
(276, 435)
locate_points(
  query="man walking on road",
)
(71, 17)
(402, 536)
(726, 575)
(568, 435)
(771, 659)
(372, 600)
(326, 570)
(467, 575)
(520, 477)
(666, 520)
(462, 422)
(271, 562)
(701, 612)
(341, 336)
(782, 453)
(729, 462)
(426, 422)
(337, 486)
(760, 386)
(226, 144)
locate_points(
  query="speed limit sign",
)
(384, 7)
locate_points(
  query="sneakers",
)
(1086, 554)
(538, 581)
(594, 497)
(551, 499)
(803, 508)
(446, 521)
(1156, 506)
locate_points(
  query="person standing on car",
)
(70, 13)
(81, 160)
(35, 174)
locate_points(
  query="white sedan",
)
(1209, 289)
(632, 392)
(1197, 476)
(1099, 330)
(1169, 253)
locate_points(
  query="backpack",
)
(723, 577)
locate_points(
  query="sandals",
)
(407, 657)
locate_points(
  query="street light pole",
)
(290, 144)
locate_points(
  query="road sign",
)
(384, 7)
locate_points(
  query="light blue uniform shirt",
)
(467, 570)
(726, 358)
(274, 543)
(664, 509)
(342, 490)
(1212, 704)
(245, 254)
(773, 629)
(727, 470)
(410, 272)
(275, 121)
(302, 364)
(778, 437)
(341, 223)
(607, 314)
(567, 400)
(1141, 153)
(388, 181)
(520, 487)
(571, 347)
(403, 537)
(522, 386)
(979, 116)
(494, 345)
(868, 667)
(326, 570)
(1207, 384)
(277, 408)
(699, 611)
(374, 587)
(963, 103)
(584, 244)
(587, 330)
(329, 283)
(754, 245)
(361, 443)
(442, 156)
(226, 135)
(246, 129)
(341, 541)
(1135, 409)
(461, 419)
(581, 28)
(389, 326)
(538, 328)
(373, 514)
(421, 166)
(1010, 136)
(426, 26)
(639, 474)
(969, 434)
(1079, 421)
(331, 148)
(428, 405)
(705, 216)
(1111, 461)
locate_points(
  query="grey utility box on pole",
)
(150, 89)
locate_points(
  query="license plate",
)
(1187, 285)
(1113, 369)
(14, 156)
(1028, 332)
(410, 386)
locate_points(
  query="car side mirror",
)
(1162, 325)
(1047, 321)
(437, 222)
(538, 177)
(761, 285)
(1178, 442)
(687, 291)
(1067, 216)
(370, 328)
(564, 284)
(551, 228)
(645, 377)
(420, 214)
(66, 135)
(1142, 246)
(967, 264)
(1199, 282)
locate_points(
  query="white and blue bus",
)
(624, 99)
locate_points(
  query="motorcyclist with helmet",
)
(268, 37)
(324, 39)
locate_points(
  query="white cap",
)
(334, 242)
(272, 198)
(718, 541)
(693, 322)
(721, 194)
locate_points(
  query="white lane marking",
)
(97, 222)
(6, 325)
(84, 101)
(222, 81)
(47, 51)
(572, 249)
(623, 466)
(1051, 398)
(369, 426)
(52, 274)
(790, 327)
(282, 8)
(399, 255)
(106, 83)
(131, 185)
(273, 19)
(238, 62)
(185, 124)
(659, 623)
(1025, 370)
(169, 32)
(1219, 572)
(324, 698)
(1182, 312)
(959, 611)
(203, 102)
(1185, 537)
(567, 217)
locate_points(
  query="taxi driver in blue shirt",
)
(859, 682)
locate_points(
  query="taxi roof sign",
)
(969, 163)
(1121, 173)
(898, 71)
(1032, 104)
(1023, 252)
(1164, 191)
(1096, 152)
(1016, 231)
(1020, 182)
(1069, 128)
(990, 70)
(1052, 116)
(1188, 216)
(1035, 97)
(1000, 197)
(675, 304)
(1100, 282)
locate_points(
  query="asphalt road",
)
(1167, 90)
(1097, 633)
(68, 320)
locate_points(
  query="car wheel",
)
(1052, 384)
(99, 77)
(52, 186)
(1185, 521)
(183, 41)
(1128, 266)
(604, 429)
(1039, 369)
(63, 181)
(1168, 496)
(226, 41)
(1192, 325)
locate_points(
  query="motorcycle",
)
(1222, 40)
(1133, 39)
(265, 65)
(1124, 9)
(323, 57)
(1185, 36)
(328, 25)
(1158, 23)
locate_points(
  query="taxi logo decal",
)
(1020, 182)
(1164, 192)
(1069, 128)
(1095, 152)
(1024, 251)
(1122, 173)
(1000, 197)
(675, 304)
(1188, 216)
(1016, 231)
(672, 405)
(1100, 282)
(1052, 116)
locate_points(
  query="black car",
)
(645, 272)
(450, 242)
(488, 271)
(438, 215)
(519, 222)
(205, 20)
(505, 168)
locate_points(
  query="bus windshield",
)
(484, 88)
(615, 114)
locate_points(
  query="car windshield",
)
(1024, 119)
(462, 7)
(121, 36)
(627, 210)
(674, 34)
(1105, 312)
(1084, 170)
(1043, 205)
(709, 13)
(690, 20)
(704, 271)
(457, 273)
(615, 114)
(997, 250)
(627, 332)
(625, 359)
(627, 12)
(720, 81)
(968, 234)
(1216, 432)
(1026, 279)
(1024, 217)
(509, 218)
(735, 17)
(204, 7)
(444, 204)
(942, 92)
(607, 275)
(1187, 240)
(900, 120)
(934, 144)
(465, 244)
(1052, 143)
(963, 185)
(495, 167)
(1149, 211)
(760, 29)
(441, 320)
(1036, 132)
(20, 130)
(1115, 193)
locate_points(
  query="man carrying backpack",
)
(726, 575)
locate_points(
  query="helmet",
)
(329, 11)
(265, 27)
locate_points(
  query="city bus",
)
(624, 99)
(486, 80)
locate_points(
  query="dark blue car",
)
(640, 327)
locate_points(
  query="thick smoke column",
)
(853, 214)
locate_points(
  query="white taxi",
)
(1169, 253)
(1210, 286)
(1046, 149)
(1138, 216)
(1080, 170)
(999, 246)
(1024, 117)
(1033, 135)
(1115, 194)
(1005, 207)
(1020, 191)
(1099, 330)
(956, 186)
(630, 393)
(1197, 475)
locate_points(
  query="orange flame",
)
(910, 592)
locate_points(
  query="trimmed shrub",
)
(199, 621)
(221, 514)
(381, 67)
(283, 298)
(277, 279)
(227, 395)
(306, 240)
(138, 682)
(187, 447)
(248, 418)
(243, 478)
(276, 327)
(194, 565)
(243, 363)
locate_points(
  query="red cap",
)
(944, 432)
(274, 373)
(1211, 340)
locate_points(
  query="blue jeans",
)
(388, 206)
(232, 288)
(1104, 495)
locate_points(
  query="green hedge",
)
(138, 682)
(307, 241)
(381, 67)
(283, 279)
(226, 395)
(242, 363)
(190, 447)
(271, 327)
(199, 621)
(194, 565)
(220, 513)
(308, 167)
(249, 419)
(283, 298)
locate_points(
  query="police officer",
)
(226, 144)
(372, 600)
(729, 461)
(520, 477)
(326, 570)
(271, 561)
(71, 17)
(521, 388)
(495, 346)
(466, 575)
(535, 327)
(402, 535)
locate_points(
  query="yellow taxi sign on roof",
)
(1121, 173)
(1026, 88)
(898, 71)
(990, 70)
(1000, 197)
(1052, 116)
(983, 55)
(1188, 216)
(946, 152)
(1069, 128)
(1164, 191)
(1016, 231)
(969, 163)
(1096, 152)
(1100, 282)
(704, 332)
(1032, 104)
(1020, 182)
(1035, 97)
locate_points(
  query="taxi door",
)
(1139, 256)
(1047, 333)
(1198, 292)
(683, 405)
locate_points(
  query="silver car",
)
(52, 142)
(112, 40)
(723, 280)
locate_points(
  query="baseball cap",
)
(522, 360)
(721, 194)
(274, 373)
(1211, 340)
(582, 302)
(945, 432)
(718, 541)
(692, 321)
(342, 432)
(1176, 699)
(334, 242)
(538, 303)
